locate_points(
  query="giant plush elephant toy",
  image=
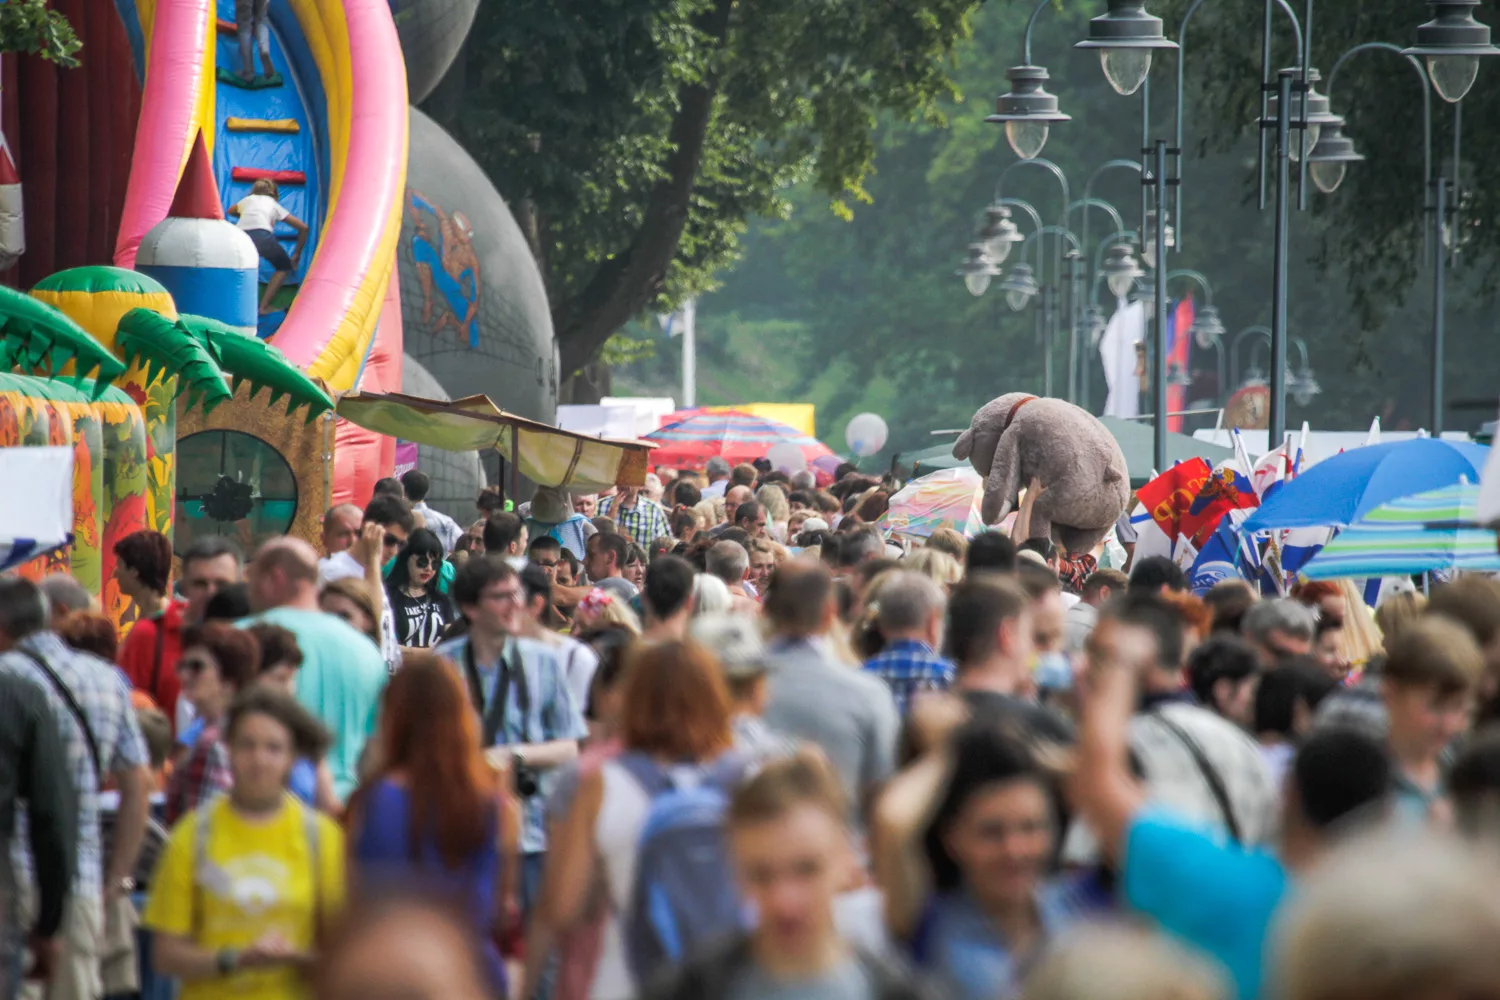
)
(1020, 438)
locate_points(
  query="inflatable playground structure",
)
(130, 327)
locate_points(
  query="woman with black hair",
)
(964, 842)
(420, 610)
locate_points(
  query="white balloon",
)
(786, 457)
(866, 434)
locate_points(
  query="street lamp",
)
(1126, 36)
(1148, 238)
(1019, 286)
(1317, 114)
(998, 233)
(1452, 43)
(977, 270)
(1208, 327)
(1120, 270)
(1027, 111)
(1331, 157)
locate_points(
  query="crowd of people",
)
(716, 736)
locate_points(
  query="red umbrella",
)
(733, 436)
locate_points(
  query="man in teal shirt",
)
(1198, 884)
(342, 672)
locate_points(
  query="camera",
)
(525, 779)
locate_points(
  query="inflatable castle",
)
(131, 327)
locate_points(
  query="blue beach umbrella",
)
(1343, 489)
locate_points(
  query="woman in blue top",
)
(964, 841)
(311, 781)
(433, 818)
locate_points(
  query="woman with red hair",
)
(434, 817)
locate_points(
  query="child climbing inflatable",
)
(259, 211)
(250, 18)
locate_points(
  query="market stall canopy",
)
(549, 456)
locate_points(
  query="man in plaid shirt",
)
(640, 519)
(90, 702)
(910, 615)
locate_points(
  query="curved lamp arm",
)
(1425, 84)
(1086, 204)
(1047, 165)
(1031, 23)
(1234, 349)
(1182, 27)
(1199, 278)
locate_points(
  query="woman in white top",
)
(675, 710)
(259, 211)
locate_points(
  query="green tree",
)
(636, 138)
(30, 26)
(868, 314)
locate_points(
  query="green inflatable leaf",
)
(145, 336)
(37, 337)
(246, 358)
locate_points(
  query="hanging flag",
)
(1179, 342)
(1127, 327)
(1270, 472)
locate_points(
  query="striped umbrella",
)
(948, 498)
(733, 436)
(1435, 530)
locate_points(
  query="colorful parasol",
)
(948, 498)
(1435, 530)
(736, 437)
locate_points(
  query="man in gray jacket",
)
(816, 697)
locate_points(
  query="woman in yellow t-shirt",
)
(248, 879)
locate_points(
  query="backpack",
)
(684, 893)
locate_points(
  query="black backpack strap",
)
(1209, 772)
(66, 695)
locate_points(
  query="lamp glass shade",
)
(1125, 68)
(998, 249)
(1120, 284)
(1017, 298)
(1452, 76)
(976, 282)
(1026, 137)
(1327, 174)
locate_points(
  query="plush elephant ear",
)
(964, 446)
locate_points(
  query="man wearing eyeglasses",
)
(388, 522)
(528, 716)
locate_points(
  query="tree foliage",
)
(636, 138)
(30, 26)
(868, 313)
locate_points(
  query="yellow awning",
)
(549, 456)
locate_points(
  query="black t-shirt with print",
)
(420, 621)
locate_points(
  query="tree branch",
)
(627, 282)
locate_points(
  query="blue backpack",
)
(684, 893)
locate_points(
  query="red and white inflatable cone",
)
(12, 214)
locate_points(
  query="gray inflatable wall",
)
(457, 477)
(432, 32)
(473, 306)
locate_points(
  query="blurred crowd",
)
(717, 736)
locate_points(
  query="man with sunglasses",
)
(528, 715)
(388, 522)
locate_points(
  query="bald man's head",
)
(733, 497)
(284, 573)
(341, 527)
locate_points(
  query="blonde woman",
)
(259, 212)
(778, 511)
(936, 565)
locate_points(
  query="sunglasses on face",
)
(544, 565)
(191, 666)
(426, 562)
(392, 542)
